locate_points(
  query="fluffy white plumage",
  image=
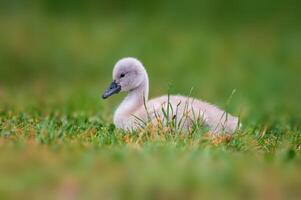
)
(130, 76)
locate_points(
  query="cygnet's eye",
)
(122, 75)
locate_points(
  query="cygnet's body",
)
(130, 76)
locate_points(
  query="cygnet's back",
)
(185, 111)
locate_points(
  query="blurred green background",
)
(212, 46)
(56, 58)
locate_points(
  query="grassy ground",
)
(56, 136)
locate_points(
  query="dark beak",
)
(113, 89)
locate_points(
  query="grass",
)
(59, 153)
(56, 136)
(65, 146)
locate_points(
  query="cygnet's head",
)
(128, 74)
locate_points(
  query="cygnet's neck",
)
(131, 103)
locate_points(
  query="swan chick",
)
(130, 76)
